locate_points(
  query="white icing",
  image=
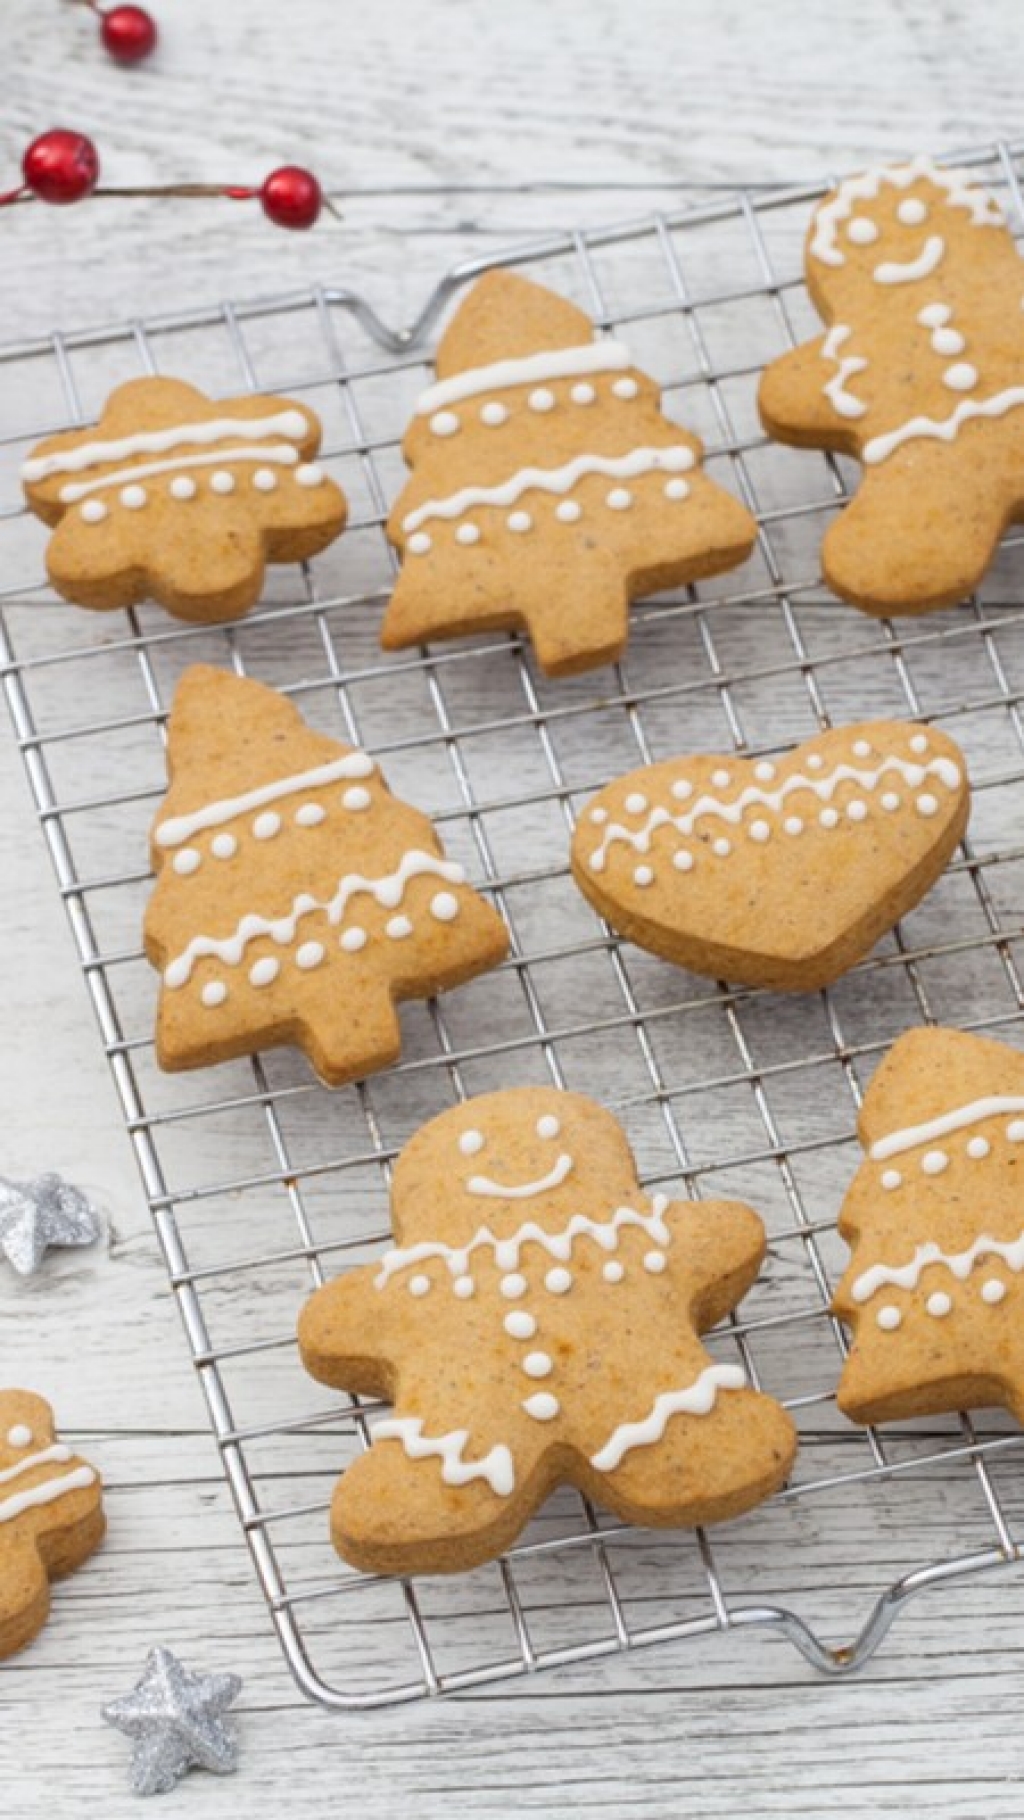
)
(463, 1287)
(265, 971)
(947, 1122)
(960, 378)
(583, 393)
(155, 442)
(844, 402)
(467, 534)
(444, 423)
(542, 1406)
(213, 994)
(625, 388)
(513, 1285)
(506, 1250)
(132, 497)
(444, 907)
(907, 271)
(519, 521)
(419, 1285)
(282, 453)
(613, 1271)
(993, 1291)
(944, 429)
(978, 1147)
(57, 1454)
(934, 315)
(180, 828)
(532, 369)
(310, 815)
(519, 1325)
(889, 1318)
(568, 511)
(912, 211)
(862, 231)
(182, 487)
(619, 499)
(961, 1263)
(676, 489)
(46, 1493)
(19, 1435)
(672, 459)
(493, 414)
(267, 825)
(352, 940)
(537, 1365)
(264, 480)
(927, 804)
(948, 341)
(419, 544)
(222, 482)
(558, 1281)
(697, 1399)
(522, 1191)
(655, 1262)
(934, 1162)
(959, 191)
(548, 1126)
(643, 875)
(224, 846)
(720, 779)
(496, 1466)
(94, 511)
(938, 1304)
(186, 860)
(309, 955)
(398, 927)
(387, 891)
(356, 798)
(891, 1178)
(541, 399)
(471, 1142)
(310, 474)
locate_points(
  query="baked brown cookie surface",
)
(538, 1323)
(775, 872)
(935, 1221)
(181, 498)
(548, 488)
(920, 376)
(51, 1515)
(296, 898)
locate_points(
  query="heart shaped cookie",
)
(781, 872)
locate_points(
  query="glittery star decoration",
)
(176, 1720)
(43, 1212)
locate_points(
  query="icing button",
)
(519, 521)
(889, 1318)
(558, 1281)
(133, 497)
(537, 1365)
(221, 481)
(939, 1304)
(513, 1286)
(543, 1407)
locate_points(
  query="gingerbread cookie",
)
(920, 376)
(296, 898)
(548, 487)
(935, 1221)
(538, 1324)
(51, 1515)
(782, 872)
(182, 498)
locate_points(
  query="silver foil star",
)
(35, 1215)
(175, 1719)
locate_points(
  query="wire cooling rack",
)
(262, 1183)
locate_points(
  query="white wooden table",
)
(452, 127)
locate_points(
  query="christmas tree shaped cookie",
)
(296, 898)
(183, 498)
(51, 1515)
(548, 488)
(920, 376)
(935, 1221)
(538, 1324)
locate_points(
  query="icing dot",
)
(856, 811)
(643, 875)
(221, 481)
(223, 846)
(862, 231)
(635, 803)
(912, 211)
(683, 860)
(625, 388)
(398, 927)
(947, 341)
(543, 1407)
(513, 1286)
(187, 860)
(19, 1436)
(310, 954)
(764, 771)
(961, 377)
(676, 489)
(356, 798)
(978, 1147)
(568, 510)
(888, 1318)
(264, 971)
(310, 815)
(934, 1162)
(891, 1178)
(915, 775)
(463, 1287)
(493, 414)
(620, 499)
(558, 1281)
(418, 544)
(890, 800)
(722, 847)
(264, 480)
(444, 907)
(1015, 1131)
(583, 393)
(419, 1285)
(537, 1365)
(720, 779)
(829, 818)
(759, 831)
(613, 1271)
(133, 497)
(655, 1262)
(468, 533)
(471, 1142)
(519, 521)
(548, 1126)
(309, 474)
(520, 1325)
(681, 789)
(599, 816)
(793, 824)
(861, 748)
(352, 940)
(182, 487)
(815, 761)
(993, 1291)
(919, 743)
(266, 825)
(541, 399)
(934, 315)
(444, 423)
(927, 804)
(93, 511)
(939, 1303)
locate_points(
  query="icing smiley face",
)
(547, 1129)
(888, 225)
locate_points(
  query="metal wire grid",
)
(728, 1089)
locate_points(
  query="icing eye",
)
(19, 1436)
(470, 1142)
(912, 212)
(862, 231)
(548, 1126)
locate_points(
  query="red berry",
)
(128, 33)
(291, 197)
(61, 166)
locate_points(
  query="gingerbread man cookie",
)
(51, 1515)
(776, 872)
(182, 498)
(538, 1323)
(920, 376)
(296, 898)
(935, 1221)
(548, 487)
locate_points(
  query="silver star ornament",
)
(176, 1720)
(35, 1215)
